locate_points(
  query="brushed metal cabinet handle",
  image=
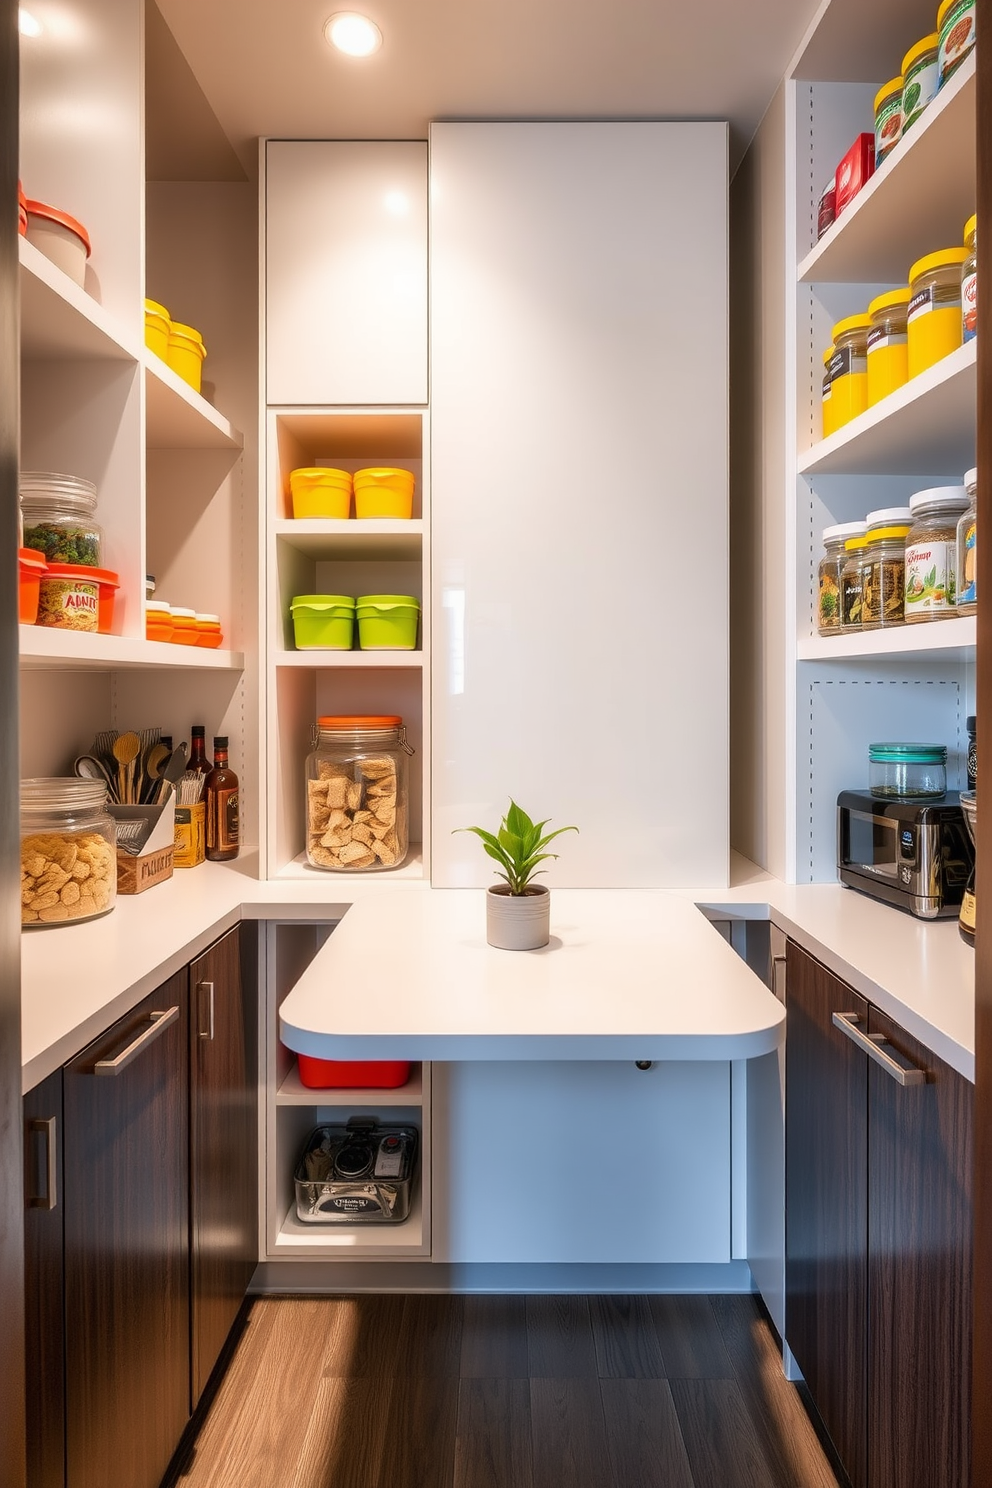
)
(872, 1045)
(208, 988)
(45, 1127)
(777, 963)
(159, 1023)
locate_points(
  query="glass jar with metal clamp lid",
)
(358, 796)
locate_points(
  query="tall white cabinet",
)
(579, 468)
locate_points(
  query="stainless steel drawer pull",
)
(873, 1045)
(159, 1022)
(206, 988)
(45, 1127)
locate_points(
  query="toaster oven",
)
(914, 855)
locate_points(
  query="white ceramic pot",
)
(518, 922)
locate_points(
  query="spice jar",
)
(884, 568)
(825, 402)
(956, 29)
(888, 119)
(907, 772)
(971, 726)
(68, 851)
(357, 794)
(849, 369)
(934, 318)
(920, 76)
(966, 550)
(829, 602)
(852, 580)
(969, 281)
(888, 360)
(931, 553)
(58, 517)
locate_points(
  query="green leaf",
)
(517, 821)
(552, 835)
(517, 847)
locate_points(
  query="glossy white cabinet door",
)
(579, 495)
(346, 272)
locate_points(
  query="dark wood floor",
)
(507, 1392)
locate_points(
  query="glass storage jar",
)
(931, 553)
(828, 602)
(956, 30)
(966, 550)
(849, 369)
(888, 119)
(907, 771)
(358, 800)
(825, 406)
(934, 318)
(852, 580)
(969, 281)
(68, 851)
(884, 569)
(919, 79)
(888, 363)
(59, 519)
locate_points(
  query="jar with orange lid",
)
(849, 369)
(934, 316)
(956, 32)
(969, 281)
(825, 403)
(920, 77)
(208, 631)
(358, 799)
(888, 351)
(184, 631)
(888, 119)
(883, 573)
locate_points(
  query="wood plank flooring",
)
(507, 1392)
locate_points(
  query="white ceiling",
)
(266, 70)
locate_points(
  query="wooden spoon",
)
(127, 747)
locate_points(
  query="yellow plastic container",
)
(888, 350)
(849, 369)
(320, 492)
(827, 402)
(158, 324)
(384, 492)
(185, 354)
(934, 319)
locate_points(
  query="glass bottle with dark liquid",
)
(220, 791)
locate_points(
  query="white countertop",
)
(77, 980)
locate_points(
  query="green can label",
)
(957, 37)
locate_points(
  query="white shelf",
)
(917, 201)
(387, 540)
(44, 646)
(882, 37)
(178, 417)
(928, 427)
(357, 660)
(60, 320)
(292, 1092)
(947, 640)
(299, 870)
(296, 1238)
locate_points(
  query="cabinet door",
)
(346, 272)
(127, 1246)
(826, 1202)
(223, 1143)
(43, 1284)
(919, 1278)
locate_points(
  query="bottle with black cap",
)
(220, 791)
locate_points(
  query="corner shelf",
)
(383, 539)
(178, 417)
(60, 320)
(374, 660)
(296, 1238)
(292, 1092)
(43, 646)
(947, 640)
(300, 871)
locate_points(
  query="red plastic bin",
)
(347, 1074)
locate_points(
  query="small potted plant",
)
(518, 911)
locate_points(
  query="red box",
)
(347, 1074)
(856, 168)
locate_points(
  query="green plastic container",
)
(387, 622)
(323, 622)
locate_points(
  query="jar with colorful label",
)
(934, 316)
(825, 401)
(966, 552)
(884, 569)
(849, 369)
(969, 281)
(888, 119)
(920, 76)
(888, 351)
(931, 553)
(69, 598)
(829, 603)
(956, 29)
(852, 580)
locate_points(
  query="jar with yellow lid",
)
(934, 317)
(966, 550)
(852, 580)
(956, 30)
(969, 281)
(884, 569)
(828, 601)
(931, 553)
(849, 369)
(920, 76)
(888, 119)
(888, 358)
(825, 403)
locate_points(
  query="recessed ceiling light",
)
(352, 33)
(26, 23)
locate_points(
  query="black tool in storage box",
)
(362, 1173)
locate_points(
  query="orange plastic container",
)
(349, 1074)
(384, 492)
(208, 631)
(158, 621)
(109, 584)
(318, 491)
(59, 237)
(22, 211)
(32, 567)
(184, 631)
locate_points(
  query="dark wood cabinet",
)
(223, 1142)
(127, 1246)
(879, 1143)
(43, 1283)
